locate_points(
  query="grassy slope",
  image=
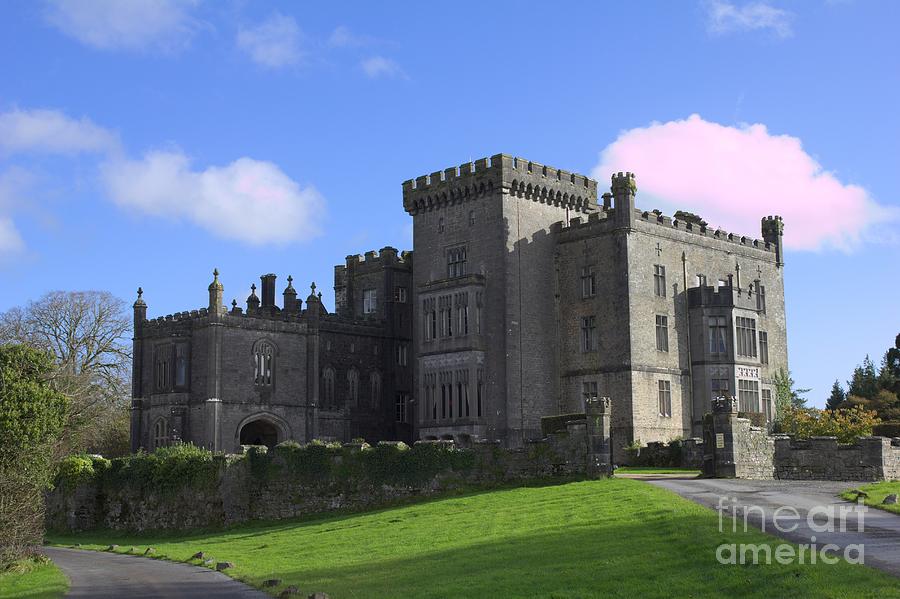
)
(612, 538)
(39, 581)
(877, 492)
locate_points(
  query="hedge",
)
(557, 424)
(756, 418)
(887, 429)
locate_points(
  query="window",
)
(441, 225)
(720, 388)
(480, 394)
(718, 326)
(181, 366)
(374, 389)
(352, 387)
(402, 408)
(400, 295)
(662, 333)
(447, 322)
(160, 433)
(456, 262)
(761, 297)
(328, 386)
(432, 324)
(767, 404)
(763, 347)
(370, 301)
(589, 389)
(701, 280)
(659, 280)
(588, 282)
(443, 397)
(402, 357)
(746, 336)
(263, 364)
(665, 399)
(748, 395)
(462, 320)
(588, 334)
(163, 368)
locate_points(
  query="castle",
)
(523, 297)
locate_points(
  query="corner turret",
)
(290, 304)
(140, 310)
(252, 300)
(624, 189)
(773, 233)
(216, 292)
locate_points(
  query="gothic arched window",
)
(328, 386)
(160, 433)
(353, 386)
(263, 364)
(375, 389)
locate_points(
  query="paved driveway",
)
(108, 575)
(880, 530)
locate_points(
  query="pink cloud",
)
(733, 176)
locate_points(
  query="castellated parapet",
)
(519, 177)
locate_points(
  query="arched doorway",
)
(259, 432)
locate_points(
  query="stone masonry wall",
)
(264, 486)
(733, 448)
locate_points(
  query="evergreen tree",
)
(785, 393)
(864, 382)
(837, 396)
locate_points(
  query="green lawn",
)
(33, 580)
(654, 470)
(877, 492)
(610, 538)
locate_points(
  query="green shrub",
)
(557, 424)
(80, 469)
(886, 429)
(756, 418)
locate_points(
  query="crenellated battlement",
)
(501, 172)
(602, 222)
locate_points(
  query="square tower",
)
(485, 308)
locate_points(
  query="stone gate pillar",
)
(599, 448)
(718, 438)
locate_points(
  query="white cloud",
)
(274, 43)
(342, 37)
(725, 17)
(50, 131)
(13, 182)
(376, 67)
(127, 24)
(733, 176)
(248, 200)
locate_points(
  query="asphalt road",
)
(102, 575)
(759, 500)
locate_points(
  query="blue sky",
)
(145, 143)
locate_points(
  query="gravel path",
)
(879, 531)
(103, 575)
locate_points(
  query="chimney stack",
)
(268, 290)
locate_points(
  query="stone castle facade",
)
(526, 296)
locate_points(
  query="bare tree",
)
(88, 335)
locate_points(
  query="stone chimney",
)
(268, 290)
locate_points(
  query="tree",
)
(837, 396)
(888, 377)
(864, 382)
(847, 425)
(892, 362)
(87, 333)
(32, 415)
(786, 394)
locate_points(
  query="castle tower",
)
(137, 376)
(624, 189)
(773, 233)
(483, 281)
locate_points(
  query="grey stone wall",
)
(735, 449)
(241, 493)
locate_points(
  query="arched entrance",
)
(259, 432)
